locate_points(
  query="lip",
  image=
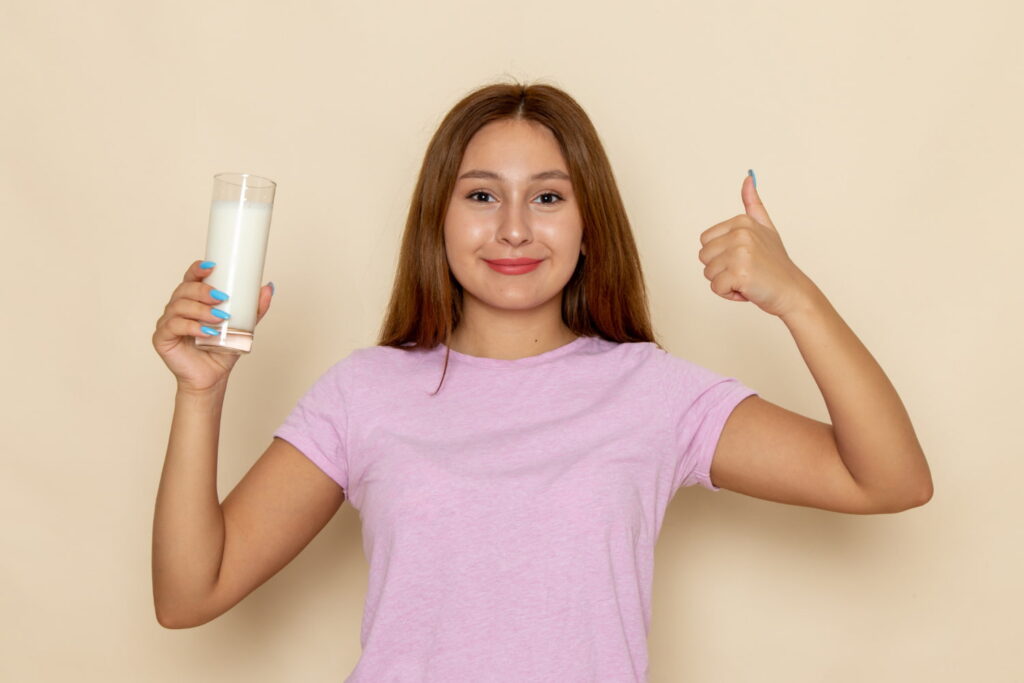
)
(513, 261)
(513, 266)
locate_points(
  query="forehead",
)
(513, 142)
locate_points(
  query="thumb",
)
(266, 295)
(752, 201)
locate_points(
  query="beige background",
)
(887, 141)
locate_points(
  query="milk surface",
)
(237, 242)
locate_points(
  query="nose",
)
(514, 227)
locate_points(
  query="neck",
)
(510, 335)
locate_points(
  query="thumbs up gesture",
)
(745, 261)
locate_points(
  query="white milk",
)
(237, 242)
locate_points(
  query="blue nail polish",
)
(750, 172)
(273, 289)
(209, 330)
(207, 264)
(223, 315)
(218, 295)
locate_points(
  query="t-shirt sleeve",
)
(699, 403)
(318, 424)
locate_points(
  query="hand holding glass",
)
(237, 242)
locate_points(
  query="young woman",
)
(513, 440)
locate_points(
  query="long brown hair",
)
(605, 296)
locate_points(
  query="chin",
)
(511, 302)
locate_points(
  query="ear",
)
(583, 249)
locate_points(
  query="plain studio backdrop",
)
(886, 138)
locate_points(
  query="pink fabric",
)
(510, 521)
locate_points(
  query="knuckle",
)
(201, 292)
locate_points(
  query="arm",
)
(869, 459)
(188, 524)
(207, 556)
(873, 433)
(867, 462)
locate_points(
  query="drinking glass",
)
(237, 242)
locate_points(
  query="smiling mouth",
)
(513, 266)
(513, 261)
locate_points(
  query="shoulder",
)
(382, 356)
(648, 356)
(632, 356)
(370, 355)
(678, 368)
(606, 349)
(643, 363)
(383, 363)
(683, 382)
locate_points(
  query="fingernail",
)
(218, 295)
(208, 330)
(272, 289)
(750, 172)
(223, 315)
(207, 264)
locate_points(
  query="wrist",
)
(811, 302)
(214, 393)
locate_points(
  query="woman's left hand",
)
(745, 261)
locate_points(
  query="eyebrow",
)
(545, 175)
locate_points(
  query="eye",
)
(551, 194)
(556, 197)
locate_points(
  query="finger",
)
(172, 324)
(196, 272)
(183, 327)
(199, 291)
(715, 266)
(710, 251)
(189, 309)
(206, 314)
(723, 283)
(752, 203)
(719, 229)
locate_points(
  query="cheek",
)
(458, 248)
(564, 233)
(451, 231)
(464, 232)
(454, 242)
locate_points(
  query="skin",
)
(869, 459)
(512, 316)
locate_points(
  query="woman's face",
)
(513, 199)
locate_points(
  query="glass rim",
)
(245, 180)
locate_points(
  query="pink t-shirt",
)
(510, 520)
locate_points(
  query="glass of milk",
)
(237, 242)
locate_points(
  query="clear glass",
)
(237, 242)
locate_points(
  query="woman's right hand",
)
(174, 339)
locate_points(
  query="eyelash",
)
(543, 194)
